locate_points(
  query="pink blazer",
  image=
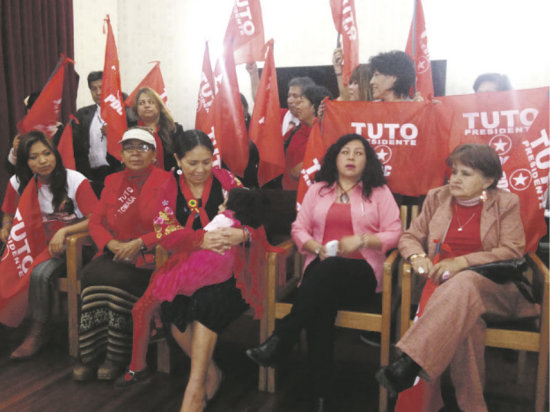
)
(378, 215)
(502, 234)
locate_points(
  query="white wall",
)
(473, 36)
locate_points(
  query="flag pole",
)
(414, 42)
(338, 43)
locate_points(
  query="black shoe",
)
(322, 405)
(131, 377)
(398, 376)
(267, 353)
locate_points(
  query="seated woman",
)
(191, 267)
(153, 114)
(195, 321)
(352, 204)
(466, 222)
(296, 139)
(122, 228)
(65, 198)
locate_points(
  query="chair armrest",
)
(406, 291)
(74, 244)
(161, 256)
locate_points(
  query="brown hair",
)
(478, 156)
(166, 121)
(362, 75)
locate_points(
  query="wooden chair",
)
(496, 336)
(71, 285)
(283, 273)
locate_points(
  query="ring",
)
(421, 270)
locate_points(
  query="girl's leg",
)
(142, 314)
(202, 348)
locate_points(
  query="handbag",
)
(504, 271)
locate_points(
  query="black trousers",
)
(327, 286)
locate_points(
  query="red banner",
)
(112, 106)
(417, 48)
(22, 252)
(154, 80)
(230, 130)
(265, 123)
(343, 14)
(44, 113)
(246, 31)
(515, 124)
(65, 146)
(315, 151)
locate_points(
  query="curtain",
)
(33, 34)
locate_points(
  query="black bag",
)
(504, 271)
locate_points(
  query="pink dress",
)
(185, 273)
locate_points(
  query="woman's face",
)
(147, 108)
(306, 111)
(353, 91)
(41, 160)
(137, 155)
(351, 160)
(382, 85)
(196, 165)
(466, 182)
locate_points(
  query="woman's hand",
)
(125, 251)
(422, 265)
(447, 268)
(215, 241)
(55, 247)
(349, 245)
(337, 60)
(5, 232)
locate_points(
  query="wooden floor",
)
(44, 383)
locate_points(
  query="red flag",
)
(22, 252)
(265, 123)
(315, 151)
(44, 113)
(65, 145)
(229, 124)
(417, 48)
(154, 80)
(403, 134)
(246, 31)
(515, 124)
(343, 14)
(112, 106)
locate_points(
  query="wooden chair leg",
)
(163, 356)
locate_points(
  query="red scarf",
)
(193, 203)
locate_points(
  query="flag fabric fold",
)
(44, 113)
(246, 31)
(25, 248)
(265, 123)
(112, 105)
(154, 80)
(315, 151)
(65, 146)
(229, 126)
(417, 49)
(345, 21)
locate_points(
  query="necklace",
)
(344, 197)
(460, 225)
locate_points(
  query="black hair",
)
(248, 206)
(188, 140)
(315, 94)
(93, 76)
(302, 82)
(373, 173)
(478, 156)
(399, 64)
(58, 177)
(501, 80)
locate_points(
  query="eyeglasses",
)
(140, 147)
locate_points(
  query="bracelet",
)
(416, 255)
(338, 74)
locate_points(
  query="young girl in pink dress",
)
(190, 268)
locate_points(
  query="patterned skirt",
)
(109, 291)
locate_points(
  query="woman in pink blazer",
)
(349, 205)
(464, 223)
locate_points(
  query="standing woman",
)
(65, 198)
(352, 204)
(153, 114)
(196, 320)
(122, 228)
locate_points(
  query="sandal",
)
(131, 377)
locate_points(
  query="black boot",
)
(398, 376)
(268, 353)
